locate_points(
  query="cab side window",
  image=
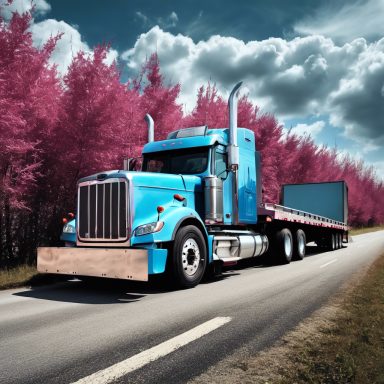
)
(220, 163)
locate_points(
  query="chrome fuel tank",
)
(213, 199)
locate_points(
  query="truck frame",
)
(195, 207)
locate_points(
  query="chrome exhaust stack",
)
(233, 150)
(151, 137)
(151, 127)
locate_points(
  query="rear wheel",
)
(283, 246)
(332, 242)
(299, 244)
(189, 257)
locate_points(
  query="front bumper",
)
(115, 263)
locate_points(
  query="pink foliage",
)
(159, 100)
(29, 105)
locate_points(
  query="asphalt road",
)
(68, 331)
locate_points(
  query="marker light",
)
(178, 197)
(160, 209)
(65, 221)
(71, 215)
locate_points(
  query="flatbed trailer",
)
(194, 206)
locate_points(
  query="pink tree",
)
(159, 100)
(29, 106)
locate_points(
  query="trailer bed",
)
(279, 212)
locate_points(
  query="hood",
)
(166, 181)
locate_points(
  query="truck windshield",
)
(186, 161)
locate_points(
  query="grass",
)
(360, 231)
(352, 349)
(17, 277)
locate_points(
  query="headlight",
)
(68, 228)
(149, 228)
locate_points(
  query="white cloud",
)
(170, 21)
(379, 169)
(67, 47)
(173, 18)
(305, 76)
(308, 129)
(69, 44)
(21, 6)
(142, 17)
(359, 18)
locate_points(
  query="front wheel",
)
(189, 257)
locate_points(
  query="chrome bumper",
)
(129, 264)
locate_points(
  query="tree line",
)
(57, 128)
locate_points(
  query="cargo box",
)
(324, 199)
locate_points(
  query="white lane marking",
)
(329, 262)
(118, 370)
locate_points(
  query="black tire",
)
(189, 257)
(299, 245)
(282, 247)
(332, 242)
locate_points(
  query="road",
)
(69, 331)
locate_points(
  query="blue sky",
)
(317, 65)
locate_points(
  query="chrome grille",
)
(103, 210)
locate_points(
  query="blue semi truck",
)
(194, 207)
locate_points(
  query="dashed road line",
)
(329, 262)
(118, 370)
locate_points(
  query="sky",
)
(318, 66)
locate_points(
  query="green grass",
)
(360, 231)
(17, 277)
(351, 351)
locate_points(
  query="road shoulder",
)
(318, 349)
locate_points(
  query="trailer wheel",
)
(332, 242)
(299, 244)
(337, 240)
(283, 246)
(189, 257)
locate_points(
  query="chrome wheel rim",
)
(190, 257)
(287, 245)
(301, 245)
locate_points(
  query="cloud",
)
(308, 129)
(379, 169)
(142, 17)
(302, 77)
(167, 22)
(69, 44)
(67, 47)
(173, 18)
(21, 6)
(361, 18)
(358, 101)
